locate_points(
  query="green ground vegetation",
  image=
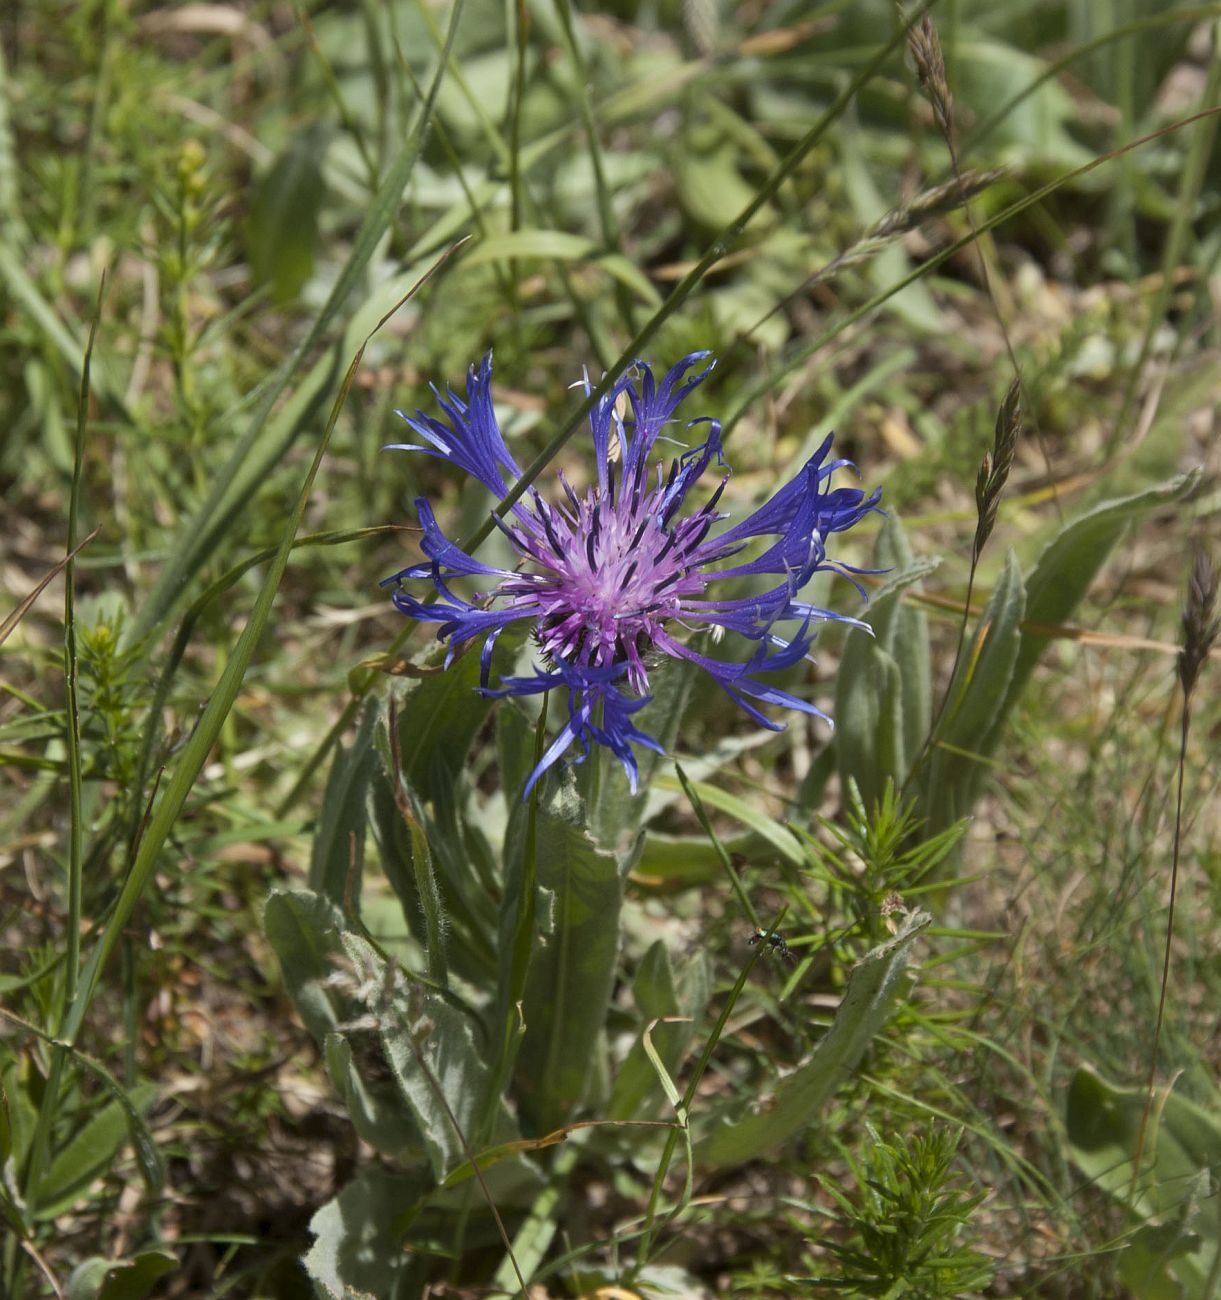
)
(959, 231)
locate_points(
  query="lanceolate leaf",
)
(974, 712)
(357, 1249)
(404, 1058)
(439, 716)
(1072, 561)
(901, 629)
(572, 968)
(339, 842)
(1172, 1189)
(90, 1153)
(801, 1095)
(658, 993)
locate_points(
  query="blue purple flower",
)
(608, 576)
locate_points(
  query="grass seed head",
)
(995, 466)
(1200, 623)
(925, 46)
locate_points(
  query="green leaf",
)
(977, 693)
(439, 716)
(404, 1058)
(394, 844)
(914, 304)
(776, 836)
(6, 1127)
(91, 1153)
(800, 1096)
(1103, 1127)
(339, 841)
(901, 628)
(869, 738)
(1182, 1145)
(1146, 1264)
(560, 246)
(572, 968)
(1034, 130)
(357, 1246)
(709, 184)
(637, 1093)
(119, 1279)
(357, 1068)
(304, 930)
(1072, 560)
(282, 230)
(400, 824)
(975, 710)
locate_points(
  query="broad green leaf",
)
(557, 244)
(657, 993)
(901, 628)
(869, 737)
(339, 841)
(305, 931)
(91, 1153)
(394, 849)
(878, 729)
(800, 1096)
(1103, 1123)
(709, 184)
(282, 229)
(1182, 1144)
(439, 716)
(572, 968)
(1146, 1263)
(561, 246)
(990, 73)
(1071, 562)
(449, 913)
(441, 1068)
(358, 1248)
(975, 710)
(406, 856)
(415, 1056)
(119, 1279)
(515, 746)
(978, 691)
(670, 862)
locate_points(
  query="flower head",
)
(608, 576)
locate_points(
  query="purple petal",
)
(472, 439)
